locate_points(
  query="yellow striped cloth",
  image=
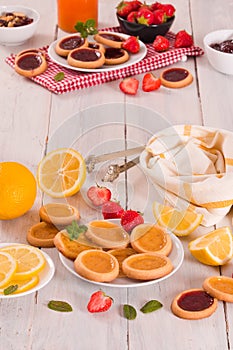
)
(192, 166)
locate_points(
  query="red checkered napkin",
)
(78, 80)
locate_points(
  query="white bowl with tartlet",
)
(17, 35)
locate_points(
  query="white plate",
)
(134, 58)
(176, 256)
(45, 275)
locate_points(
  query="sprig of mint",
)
(86, 28)
(74, 230)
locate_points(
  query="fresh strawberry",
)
(136, 5)
(183, 39)
(131, 44)
(169, 10)
(145, 16)
(99, 302)
(112, 210)
(130, 219)
(124, 8)
(99, 195)
(129, 86)
(150, 82)
(155, 6)
(159, 16)
(132, 17)
(161, 43)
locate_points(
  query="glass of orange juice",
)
(72, 11)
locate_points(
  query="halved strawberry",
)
(183, 39)
(150, 82)
(99, 302)
(112, 210)
(129, 86)
(99, 195)
(130, 219)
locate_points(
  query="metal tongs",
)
(114, 170)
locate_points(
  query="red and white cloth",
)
(74, 80)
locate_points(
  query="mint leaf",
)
(59, 76)
(58, 305)
(86, 28)
(74, 230)
(151, 306)
(11, 289)
(129, 312)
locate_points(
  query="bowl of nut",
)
(145, 21)
(219, 50)
(17, 24)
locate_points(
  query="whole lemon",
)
(17, 190)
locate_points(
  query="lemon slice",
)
(8, 267)
(214, 248)
(181, 223)
(30, 261)
(23, 285)
(61, 173)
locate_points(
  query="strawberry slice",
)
(129, 86)
(99, 302)
(130, 219)
(183, 39)
(112, 210)
(99, 195)
(150, 82)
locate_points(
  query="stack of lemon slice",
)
(20, 265)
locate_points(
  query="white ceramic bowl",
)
(221, 61)
(18, 35)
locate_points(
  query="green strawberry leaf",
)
(74, 230)
(151, 306)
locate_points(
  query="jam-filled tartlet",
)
(109, 39)
(176, 77)
(86, 58)
(194, 304)
(115, 56)
(30, 64)
(69, 43)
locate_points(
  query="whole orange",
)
(17, 190)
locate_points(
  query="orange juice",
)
(72, 11)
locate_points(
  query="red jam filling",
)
(112, 37)
(93, 46)
(195, 301)
(86, 55)
(111, 52)
(175, 74)
(225, 46)
(72, 42)
(29, 61)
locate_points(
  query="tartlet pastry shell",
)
(86, 64)
(108, 42)
(192, 315)
(176, 84)
(220, 295)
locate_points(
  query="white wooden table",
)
(30, 120)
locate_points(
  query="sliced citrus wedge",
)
(61, 173)
(8, 267)
(181, 223)
(22, 285)
(214, 248)
(30, 261)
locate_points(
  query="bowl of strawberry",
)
(145, 21)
